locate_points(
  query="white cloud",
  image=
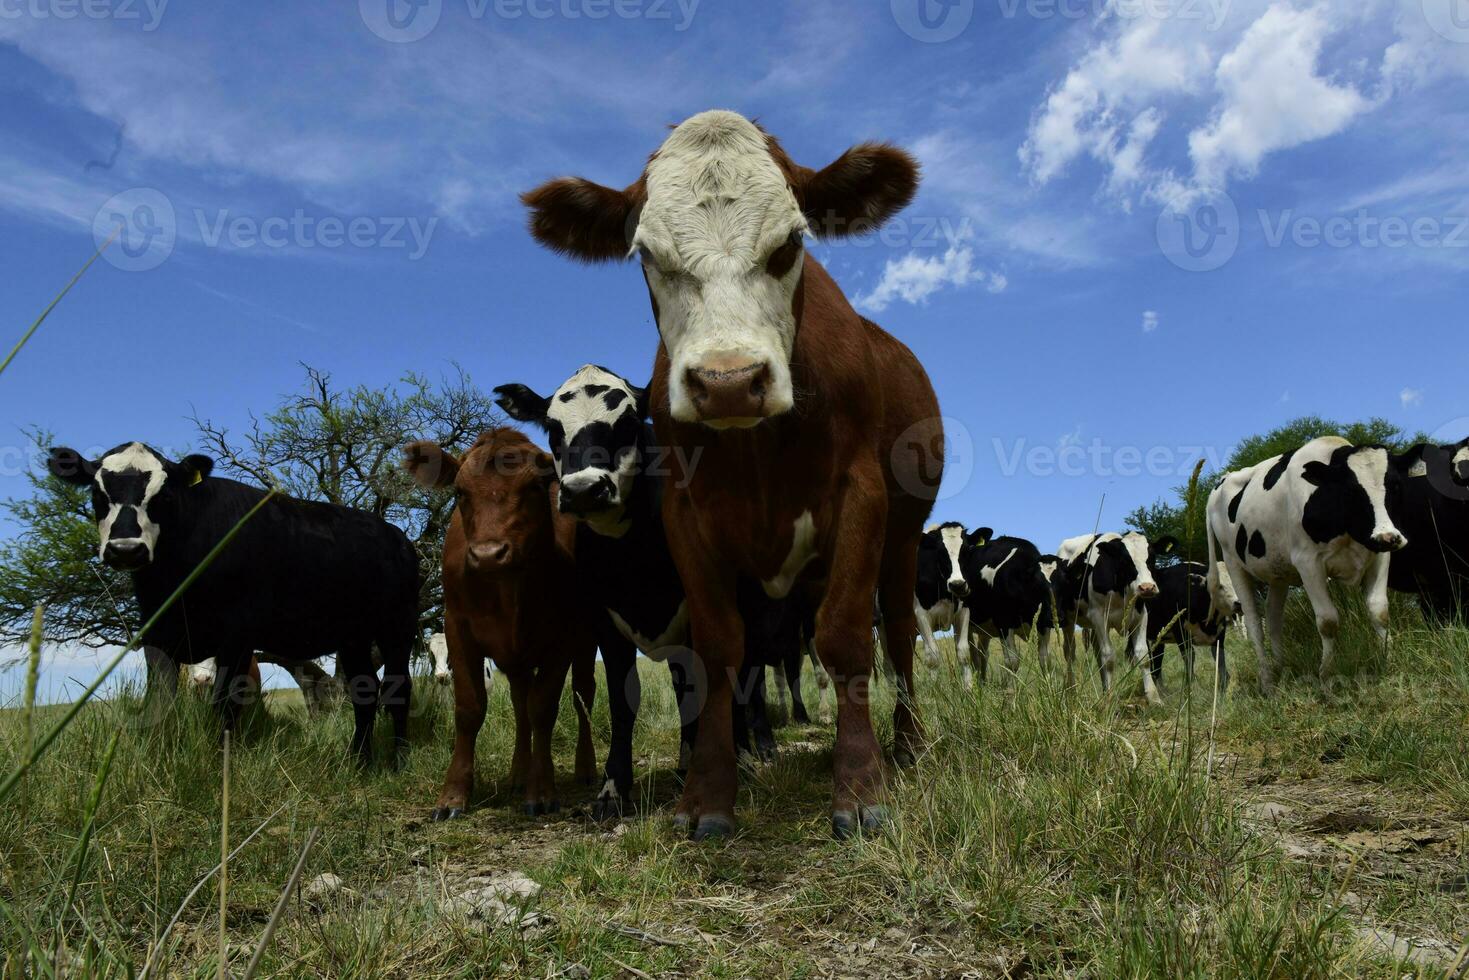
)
(1150, 321)
(1272, 97)
(1252, 84)
(1411, 397)
(914, 278)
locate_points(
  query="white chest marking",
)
(803, 549)
(673, 639)
(988, 574)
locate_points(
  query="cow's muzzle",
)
(583, 500)
(1385, 541)
(959, 588)
(126, 555)
(1147, 590)
(488, 556)
(727, 393)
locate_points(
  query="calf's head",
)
(940, 552)
(502, 496)
(594, 423)
(1351, 498)
(1123, 564)
(718, 219)
(137, 494)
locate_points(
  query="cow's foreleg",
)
(925, 628)
(231, 686)
(543, 704)
(979, 660)
(1314, 581)
(624, 693)
(1100, 638)
(898, 575)
(688, 695)
(162, 685)
(792, 671)
(362, 690)
(583, 696)
(469, 714)
(1244, 587)
(1011, 651)
(396, 693)
(1068, 646)
(520, 685)
(1374, 591)
(1275, 624)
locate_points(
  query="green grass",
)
(1046, 832)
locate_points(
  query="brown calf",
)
(510, 596)
(817, 435)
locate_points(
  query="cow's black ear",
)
(522, 404)
(196, 467)
(641, 401)
(1319, 474)
(1166, 545)
(70, 466)
(980, 536)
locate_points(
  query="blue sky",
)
(1078, 346)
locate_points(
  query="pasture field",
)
(1046, 833)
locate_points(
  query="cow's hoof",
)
(843, 824)
(875, 819)
(714, 825)
(681, 821)
(610, 807)
(904, 758)
(443, 813)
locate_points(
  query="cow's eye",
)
(779, 262)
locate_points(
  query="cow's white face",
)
(594, 423)
(720, 238)
(1369, 466)
(952, 537)
(1139, 551)
(1459, 465)
(438, 655)
(201, 675)
(127, 482)
(135, 492)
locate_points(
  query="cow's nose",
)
(487, 554)
(125, 555)
(1239, 608)
(588, 498)
(1389, 540)
(442, 676)
(1147, 590)
(726, 390)
(959, 587)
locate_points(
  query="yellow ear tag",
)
(198, 478)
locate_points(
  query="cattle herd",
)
(765, 495)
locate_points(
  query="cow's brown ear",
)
(430, 464)
(857, 192)
(583, 220)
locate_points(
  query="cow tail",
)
(1214, 556)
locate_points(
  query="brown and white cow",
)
(808, 441)
(510, 597)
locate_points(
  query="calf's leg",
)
(624, 692)
(469, 715)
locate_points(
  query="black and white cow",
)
(1109, 576)
(612, 479)
(318, 688)
(1428, 500)
(1009, 595)
(1189, 612)
(1306, 518)
(301, 579)
(438, 659)
(940, 591)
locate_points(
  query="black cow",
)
(1191, 615)
(301, 579)
(612, 479)
(1428, 498)
(1009, 594)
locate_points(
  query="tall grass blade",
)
(94, 802)
(224, 859)
(16, 775)
(280, 905)
(25, 338)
